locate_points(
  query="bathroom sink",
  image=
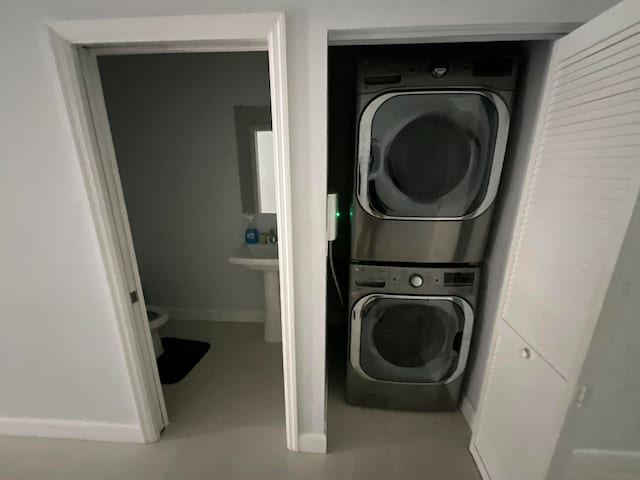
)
(265, 259)
(256, 257)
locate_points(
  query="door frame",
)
(72, 43)
(435, 34)
(502, 32)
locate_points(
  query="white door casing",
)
(251, 31)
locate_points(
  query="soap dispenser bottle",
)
(251, 235)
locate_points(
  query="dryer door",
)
(410, 339)
(432, 155)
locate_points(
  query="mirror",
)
(266, 175)
(254, 140)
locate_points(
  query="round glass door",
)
(411, 340)
(427, 154)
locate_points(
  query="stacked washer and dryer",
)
(431, 142)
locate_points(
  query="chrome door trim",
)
(356, 327)
(364, 152)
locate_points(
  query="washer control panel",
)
(412, 279)
(416, 280)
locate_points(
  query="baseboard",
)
(592, 464)
(70, 429)
(313, 443)
(477, 459)
(215, 314)
(468, 412)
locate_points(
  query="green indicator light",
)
(351, 213)
(337, 214)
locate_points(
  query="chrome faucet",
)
(272, 237)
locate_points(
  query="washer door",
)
(431, 155)
(410, 339)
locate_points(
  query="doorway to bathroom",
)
(185, 151)
(193, 145)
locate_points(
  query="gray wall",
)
(173, 127)
(602, 439)
(610, 418)
(513, 176)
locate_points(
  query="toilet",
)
(157, 318)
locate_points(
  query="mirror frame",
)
(249, 119)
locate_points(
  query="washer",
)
(431, 141)
(409, 335)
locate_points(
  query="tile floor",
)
(227, 422)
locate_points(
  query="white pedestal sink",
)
(264, 258)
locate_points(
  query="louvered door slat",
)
(620, 153)
(605, 94)
(587, 133)
(605, 60)
(564, 96)
(627, 140)
(584, 183)
(593, 111)
(587, 82)
(596, 124)
(580, 45)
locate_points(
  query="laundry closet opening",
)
(428, 146)
(193, 145)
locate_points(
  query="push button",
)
(416, 280)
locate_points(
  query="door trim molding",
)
(450, 33)
(228, 32)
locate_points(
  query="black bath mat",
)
(179, 358)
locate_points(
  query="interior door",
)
(582, 185)
(127, 258)
(583, 182)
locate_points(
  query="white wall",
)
(55, 301)
(511, 184)
(172, 122)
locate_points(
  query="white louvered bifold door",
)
(582, 187)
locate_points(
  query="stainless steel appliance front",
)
(427, 174)
(410, 335)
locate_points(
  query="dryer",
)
(409, 335)
(431, 141)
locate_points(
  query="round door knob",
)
(416, 280)
(525, 353)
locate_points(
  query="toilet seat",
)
(157, 316)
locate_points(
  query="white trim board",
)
(70, 429)
(225, 29)
(72, 43)
(313, 443)
(593, 464)
(468, 412)
(450, 33)
(214, 314)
